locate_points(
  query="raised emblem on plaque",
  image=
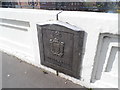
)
(61, 47)
(57, 46)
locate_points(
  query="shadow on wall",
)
(106, 58)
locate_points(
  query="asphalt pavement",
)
(18, 74)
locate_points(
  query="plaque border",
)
(77, 49)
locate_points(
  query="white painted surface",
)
(93, 24)
(61, 24)
(106, 71)
(19, 38)
(0, 70)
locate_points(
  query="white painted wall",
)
(93, 24)
(0, 70)
(23, 42)
(18, 36)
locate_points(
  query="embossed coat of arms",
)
(56, 46)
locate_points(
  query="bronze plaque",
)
(61, 48)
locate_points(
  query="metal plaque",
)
(61, 48)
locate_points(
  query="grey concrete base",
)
(17, 74)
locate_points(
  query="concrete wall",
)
(18, 36)
(95, 25)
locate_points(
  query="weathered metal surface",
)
(61, 48)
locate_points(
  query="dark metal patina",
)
(61, 48)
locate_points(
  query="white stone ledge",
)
(93, 23)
